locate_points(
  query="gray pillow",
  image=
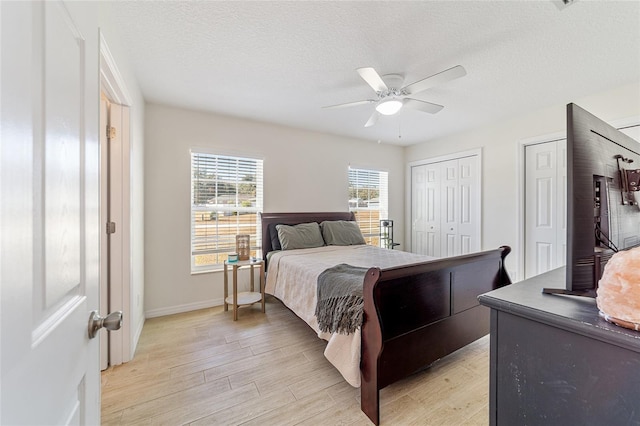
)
(304, 235)
(341, 233)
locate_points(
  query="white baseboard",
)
(170, 310)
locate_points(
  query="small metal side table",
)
(244, 298)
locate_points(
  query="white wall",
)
(303, 171)
(501, 167)
(109, 29)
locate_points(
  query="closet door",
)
(445, 207)
(450, 207)
(469, 202)
(425, 209)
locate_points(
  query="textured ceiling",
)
(280, 62)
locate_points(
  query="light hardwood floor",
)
(201, 367)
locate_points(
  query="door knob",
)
(111, 322)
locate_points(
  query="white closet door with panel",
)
(445, 207)
(469, 198)
(425, 209)
(450, 208)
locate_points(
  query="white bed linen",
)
(292, 277)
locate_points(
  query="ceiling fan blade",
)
(436, 79)
(373, 119)
(350, 104)
(422, 105)
(373, 79)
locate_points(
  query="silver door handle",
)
(111, 322)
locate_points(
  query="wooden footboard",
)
(417, 314)
(413, 314)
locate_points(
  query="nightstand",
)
(247, 297)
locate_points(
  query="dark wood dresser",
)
(554, 361)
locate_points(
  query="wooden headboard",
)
(294, 219)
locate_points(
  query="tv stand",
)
(583, 293)
(555, 361)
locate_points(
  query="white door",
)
(115, 253)
(450, 209)
(468, 205)
(425, 209)
(116, 214)
(545, 240)
(545, 206)
(104, 218)
(445, 206)
(49, 217)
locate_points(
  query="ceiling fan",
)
(392, 95)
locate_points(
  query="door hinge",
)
(111, 227)
(111, 132)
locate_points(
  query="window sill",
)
(208, 271)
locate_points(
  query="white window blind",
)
(369, 200)
(226, 198)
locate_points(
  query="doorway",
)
(115, 216)
(544, 213)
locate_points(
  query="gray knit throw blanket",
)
(340, 304)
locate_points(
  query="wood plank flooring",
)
(202, 368)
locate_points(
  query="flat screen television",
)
(603, 215)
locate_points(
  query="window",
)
(226, 198)
(369, 200)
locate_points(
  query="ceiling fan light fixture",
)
(389, 107)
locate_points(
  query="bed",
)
(416, 309)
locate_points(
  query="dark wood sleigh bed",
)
(413, 314)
